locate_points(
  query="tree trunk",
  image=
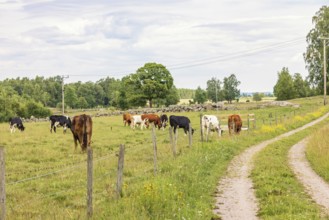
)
(150, 101)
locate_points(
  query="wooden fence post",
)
(120, 170)
(173, 147)
(154, 149)
(89, 182)
(2, 185)
(190, 135)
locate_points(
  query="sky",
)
(196, 40)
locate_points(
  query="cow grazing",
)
(59, 120)
(164, 121)
(210, 122)
(81, 128)
(152, 118)
(127, 119)
(16, 122)
(234, 124)
(137, 120)
(180, 122)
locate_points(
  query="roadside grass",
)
(317, 152)
(280, 194)
(46, 177)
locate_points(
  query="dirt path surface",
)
(315, 186)
(235, 197)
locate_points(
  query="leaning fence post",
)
(2, 185)
(120, 170)
(154, 149)
(173, 147)
(90, 182)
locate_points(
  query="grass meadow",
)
(317, 151)
(46, 176)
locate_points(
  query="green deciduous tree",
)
(153, 80)
(301, 86)
(214, 91)
(257, 96)
(200, 96)
(231, 90)
(284, 87)
(314, 53)
(71, 98)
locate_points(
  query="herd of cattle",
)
(81, 125)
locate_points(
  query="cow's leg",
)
(64, 128)
(185, 131)
(174, 129)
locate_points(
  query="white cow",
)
(137, 120)
(210, 122)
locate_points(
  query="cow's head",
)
(21, 127)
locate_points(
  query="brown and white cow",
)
(153, 118)
(137, 120)
(81, 127)
(234, 124)
(127, 118)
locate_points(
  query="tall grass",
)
(46, 177)
(317, 152)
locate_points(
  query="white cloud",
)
(194, 39)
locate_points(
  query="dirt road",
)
(236, 198)
(315, 186)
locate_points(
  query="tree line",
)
(151, 85)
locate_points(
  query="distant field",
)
(46, 177)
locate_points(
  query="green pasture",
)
(46, 176)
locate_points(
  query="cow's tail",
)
(85, 139)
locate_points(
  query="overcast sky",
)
(195, 39)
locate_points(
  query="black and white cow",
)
(180, 122)
(16, 122)
(59, 120)
(164, 120)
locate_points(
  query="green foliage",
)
(214, 91)
(284, 88)
(290, 87)
(36, 109)
(231, 90)
(314, 53)
(154, 81)
(186, 93)
(301, 87)
(257, 96)
(200, 96)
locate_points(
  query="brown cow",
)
(153, 118)
(81, 128)
(127, 118)
(234, 123)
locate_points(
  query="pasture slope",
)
(236, 197)
(316, 187)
